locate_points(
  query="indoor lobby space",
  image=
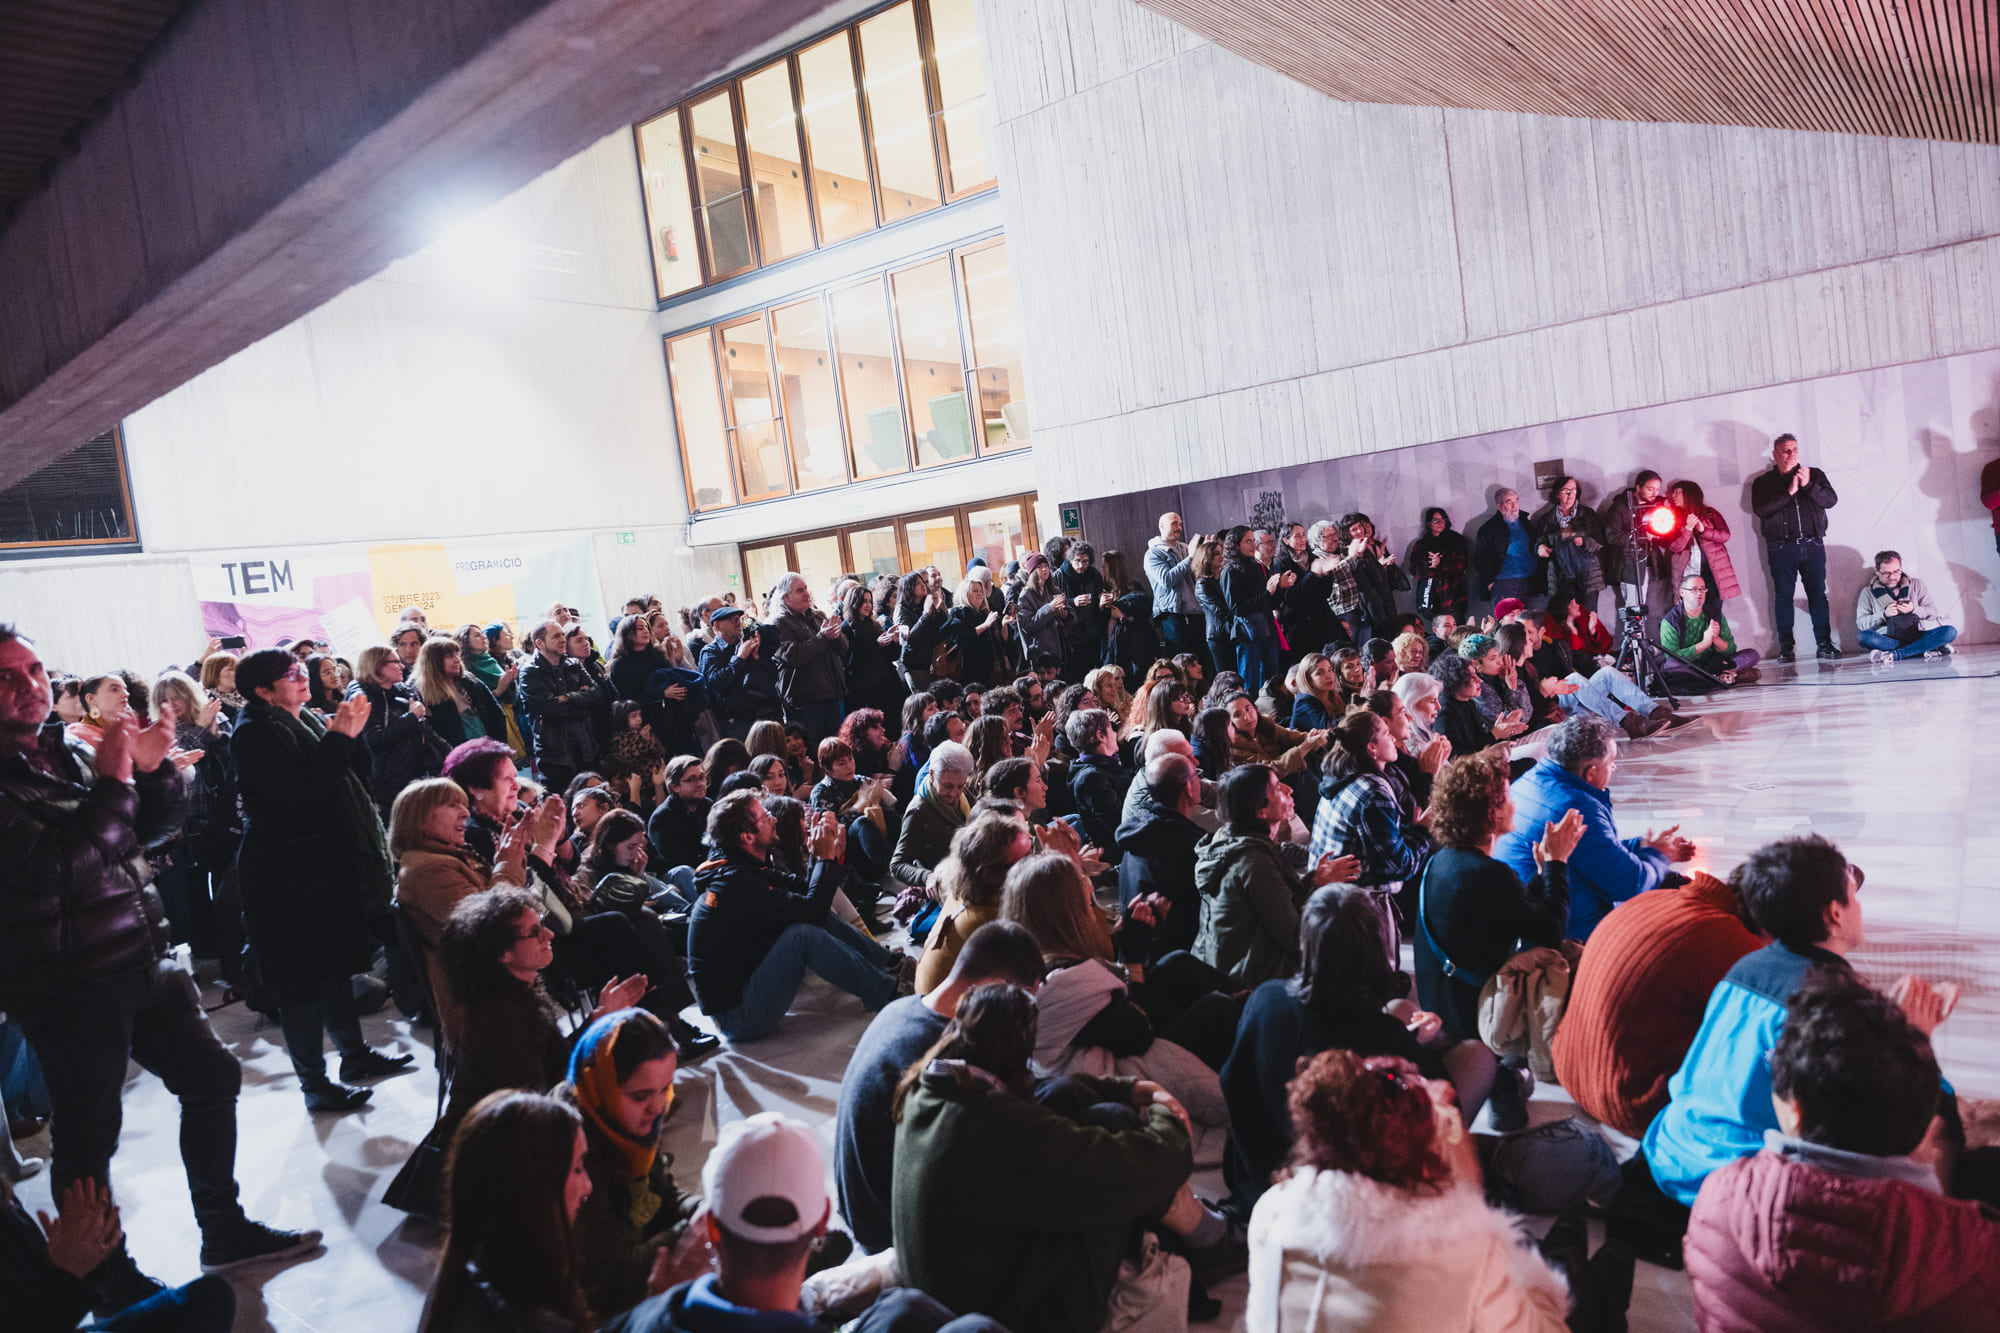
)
(503, 501)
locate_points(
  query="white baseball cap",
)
(767, 1165)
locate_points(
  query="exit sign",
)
(627, 538)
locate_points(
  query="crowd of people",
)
(1124, 863)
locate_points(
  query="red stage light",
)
(1662, 521)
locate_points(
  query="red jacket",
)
(1640, 994)
(1780, 1246)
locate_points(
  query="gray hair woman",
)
(1422, 695)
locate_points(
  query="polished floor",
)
(1892, 763)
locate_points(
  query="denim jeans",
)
(819, 719)
(1928, 642)
(907, 1310)
(1793, 563)
(333, 1011)
(1184, 634)
(1256, 662)
(1603, 694)
(83, 1037)
(837, 952)
(205, 1305)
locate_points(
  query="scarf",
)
(594, 1078)
(485, 666)
(953, 815)
(354, 812)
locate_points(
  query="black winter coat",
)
(975, 650)
(812, 669)
(1132, 644)
(742, 690)
(77, 904)
(450, 727)
(1086, 623)
(1098, 783)
(1303, 608)
(1444, 588)
(741, 906)
(872, 681)
(398, 752)
(562, 699)
(308, 882)
(1489, 552)
(1247, 599)
(676, 828)
(1158, 846)
(1477, 910)
(1788, 517)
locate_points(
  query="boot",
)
(1638, 726)
(323, 1094)
(117, 1284)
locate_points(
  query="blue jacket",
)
(1603, 871)
(1720, 1097)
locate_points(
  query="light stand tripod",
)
(1638, 656)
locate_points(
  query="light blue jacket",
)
(1720, 1097)
(1603, 871)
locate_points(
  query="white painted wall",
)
(1222, 271)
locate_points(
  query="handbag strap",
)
(1452, 970)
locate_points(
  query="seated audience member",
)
(865, 809)
(724, 760)
(1807, 897)
(1633, 1012)
(767, 1213)
(621, 1080)
(1834, 1224)
(1422, 695)
(1366, 813)
(1031, 1236)
(1574, 775)
(1249, 896)
(1700, 636)
(435, 870)
(1380, 1223)
(864, 1133)
(969, 881)
(1157, 840)
(1212, 738)
(1412, 654)
(756, 931)
(1473, 912)
(1459, 717)
(1417, 759)
(634, 757)
(770, 772)
(1579, 630)
(1318, 703)
(938, 811)
(516, 1181)
(1259, 740)
(1501, 701)
(614, 869)
(42, 1277)
(1894, 617)
(1341, 998)
(1605, 691)
(1097, 778)
(678, 824)
(503, 1032)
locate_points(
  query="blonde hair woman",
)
(1318, 702)
(461, 707)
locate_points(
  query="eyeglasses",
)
(298, 672)
(541, 929)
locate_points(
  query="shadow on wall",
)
(1903, 447)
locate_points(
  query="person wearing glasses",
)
(314, 869)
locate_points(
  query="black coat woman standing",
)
(313, 868)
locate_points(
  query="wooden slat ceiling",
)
(60, 61)
(1910, 68)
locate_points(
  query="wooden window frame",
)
(732, 93)
(961, 516)
(680, 427)
(853, 42)
(917, 19)
(972, 363)
(731, 426)
(934, 95)
(820, 299)
(798, 137)
(959, 323)
(55, 546)
(881, 284)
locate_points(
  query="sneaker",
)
(1936, 653)
(252, 1242)
(1826, 652)
(1786, 653)
(373, 1064)
(326, 1095)
(117, 1284)
(1882, 656)
(904, 969)
(1749, 676)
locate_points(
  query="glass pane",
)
(996, 348)
(961, 81)
(819, 565)
(833, 131)
(746, 373)
(811, 409)
(765, 564)
(868, 381)
(718, 169)
(998, 535)
(875, 551)
(933, 369)
(934, 541)
(669, 209)
(898, 113)
(777, 167)
(698, 413)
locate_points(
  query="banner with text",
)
(350, 596)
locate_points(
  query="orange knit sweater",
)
(1639, 996)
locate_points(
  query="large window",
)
(82, 499)
(999, 530)
(875, 123)
(864, 380)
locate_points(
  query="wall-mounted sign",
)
(1072, 520)
(1546, 472)
(628, 539)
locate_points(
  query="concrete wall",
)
(1222, 271)
(1903, 446)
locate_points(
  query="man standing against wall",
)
(1170, 571)
(1503, 552)
(1791, 501)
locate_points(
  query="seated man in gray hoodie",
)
(1894, 617)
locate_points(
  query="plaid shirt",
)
(1343, 590)
(1365, 819)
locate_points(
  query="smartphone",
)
(232, 643)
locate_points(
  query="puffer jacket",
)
(1159, 846)
(77, 904)
(1250, 902)
(1037, 621)
(1568, 563)
(395, 740)
(562, 697)
(812, 669)
(1786, 1241)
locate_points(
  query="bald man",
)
(1176, 613)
